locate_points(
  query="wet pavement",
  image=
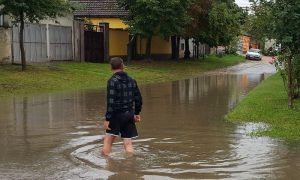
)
(183, 134)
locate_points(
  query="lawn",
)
(71, 76)
(268, 104)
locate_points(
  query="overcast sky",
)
(242, 3)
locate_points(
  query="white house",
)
(270, 44)
(203, 49)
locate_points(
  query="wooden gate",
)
(94, 43)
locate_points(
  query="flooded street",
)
(183, 134)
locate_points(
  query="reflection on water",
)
(183, 136)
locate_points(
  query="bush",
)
(232, 50)
(281, 65)
(270, 52)
(296, 75)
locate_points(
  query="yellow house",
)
(107, 11)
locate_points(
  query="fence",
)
(5, 45)
(43, 43)
(1, 20)
(78, 40)
(60, 39)
(35, 43)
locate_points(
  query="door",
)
(94, 45)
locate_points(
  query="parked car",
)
(254, 54)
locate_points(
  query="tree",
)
(258, 24)
(225, 22)
(197, 27)
(155, 17)
(285, 30)
(175, 24)
(282, 23)
(32, 11)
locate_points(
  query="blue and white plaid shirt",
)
(123, 95)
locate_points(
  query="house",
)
(244, 43)
(107, 14)
(271, 44)
(196, 51)
(247, 42)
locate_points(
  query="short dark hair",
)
(116, 63)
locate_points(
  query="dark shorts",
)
(123, 124)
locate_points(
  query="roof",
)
(98, 8)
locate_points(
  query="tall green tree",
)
(258, 23)
(23, 11)
(225, 23)
(286, 31)
(280, 20)
(197, 27)
(148, 18)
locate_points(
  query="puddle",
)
(182, 136)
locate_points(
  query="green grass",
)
(268, 104)
(70, 76)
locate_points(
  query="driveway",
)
(249, 67)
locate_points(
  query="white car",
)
(254, 54)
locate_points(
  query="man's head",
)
(117, 63)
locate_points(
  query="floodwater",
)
(182, 136)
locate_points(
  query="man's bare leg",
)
(128, 145)
(107, 144)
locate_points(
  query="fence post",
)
(12, 45)
(47, 41)
(106, 40)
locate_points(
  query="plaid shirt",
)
(123, 94)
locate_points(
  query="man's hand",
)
(106, 125)
(137, 118)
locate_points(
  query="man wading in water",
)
(124, 104)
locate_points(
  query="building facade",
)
(98, 12)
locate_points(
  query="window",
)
(182, 46)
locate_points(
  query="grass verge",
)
(71, 76)
(268, 104)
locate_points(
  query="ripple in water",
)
(248, 157)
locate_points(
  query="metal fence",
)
(43, 43)
(35, 43)
(60, 39)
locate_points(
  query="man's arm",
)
(111, 93)
(138, 101)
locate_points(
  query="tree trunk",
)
(131, 48)
(129, 52)
(177, 47)
(21, 36)
(187, 52)
(297, 86)
(290, 83)
(148, 48)
(173, 42)
(197, 50)
(203, 51)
